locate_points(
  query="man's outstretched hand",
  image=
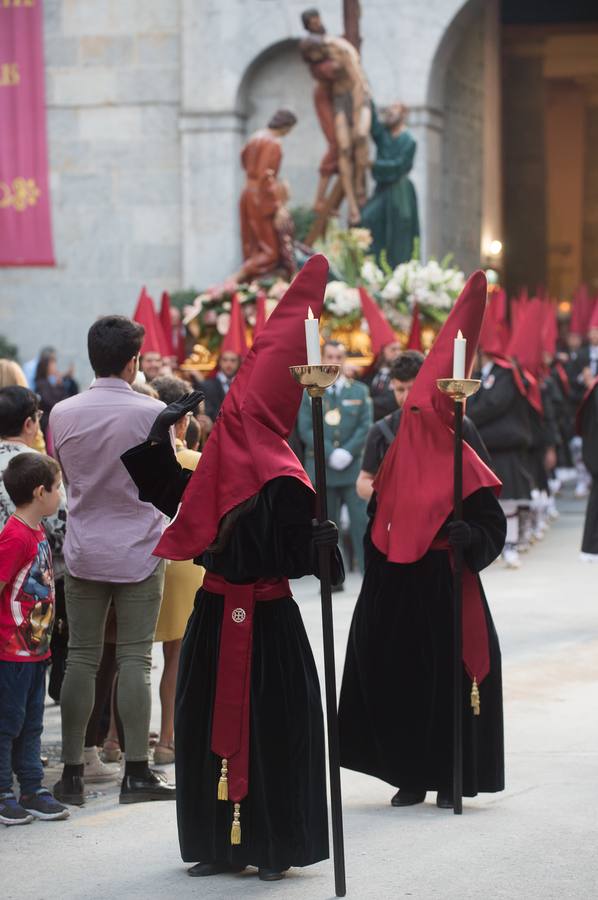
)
(159, 433)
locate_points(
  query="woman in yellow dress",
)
(181, 583)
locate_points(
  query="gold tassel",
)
(475, 698)
(235, 832)
(223, 783)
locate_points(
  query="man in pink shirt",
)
(108, 554)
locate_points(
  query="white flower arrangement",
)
(341, 300)
(432, 286)
(372, 275)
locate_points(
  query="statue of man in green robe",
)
(391, 212)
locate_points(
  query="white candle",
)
(459, 356)
(312, 339)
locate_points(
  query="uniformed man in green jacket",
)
(347, 409)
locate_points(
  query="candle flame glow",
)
(310, 314)
(460, 335)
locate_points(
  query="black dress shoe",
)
(202, 870)
(70, 790)
(408, 798)
(444, 800)
(142, 790)
(269, 875)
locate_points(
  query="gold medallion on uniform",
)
(333, 417)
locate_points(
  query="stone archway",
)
(278, 78)
(455, 171)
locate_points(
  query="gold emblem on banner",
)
(20, 195)
(333, 417)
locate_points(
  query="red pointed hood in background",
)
(415, 335)
(145, 314)
(381, 332)
(408, 519)
(581, 312)
(166, 323)
(526, 339)
(235, 340)
(260, 313)
(494, 335)
(247, 446)
(593, 323)
(550, 329)
(526, 348)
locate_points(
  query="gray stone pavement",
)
(538, 839)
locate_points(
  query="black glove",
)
(459, 534)
(324, 534)
(159, 433)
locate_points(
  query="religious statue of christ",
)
(342, 101)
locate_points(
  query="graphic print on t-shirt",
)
(32, 607)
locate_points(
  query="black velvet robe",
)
(589, 424)
(395, 713)
(501, 416)
(284, 816)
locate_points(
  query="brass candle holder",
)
(315, 378)
(459, 388)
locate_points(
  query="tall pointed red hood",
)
(247, 446)
(414, 341)
(494, 335)
(235, 340)
(526, 340)
(381, 332)
(581, 312)
(166, 323)
(408, 519)
(145, 314)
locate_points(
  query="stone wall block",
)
(85, 190)
(146, 261)
(62, 124)
(149, 84)
(150, 186)
(110, 123)
(102, 50)
(60, 51)
(157, 225)
(158, 49)
(81, 87)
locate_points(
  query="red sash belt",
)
(230, 723)
(476, 646)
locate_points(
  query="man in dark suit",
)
(216, 388)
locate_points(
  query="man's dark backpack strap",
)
(386, 430)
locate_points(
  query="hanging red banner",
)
(25, 232)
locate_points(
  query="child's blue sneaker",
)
(11, 812)
(42, 805)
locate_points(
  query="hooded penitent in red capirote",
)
(414, 341)
(145, 314)
(408, 521)
(526, 347)
(247, 446)
(381, 332)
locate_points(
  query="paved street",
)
(537, 839)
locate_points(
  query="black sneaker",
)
(42, 805)
(70, 790)
(11, 812)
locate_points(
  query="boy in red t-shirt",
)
(32, 482)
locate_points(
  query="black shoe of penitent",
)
(203, 870)
(408, 798)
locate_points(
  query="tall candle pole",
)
(316, 378)
(459, 388)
